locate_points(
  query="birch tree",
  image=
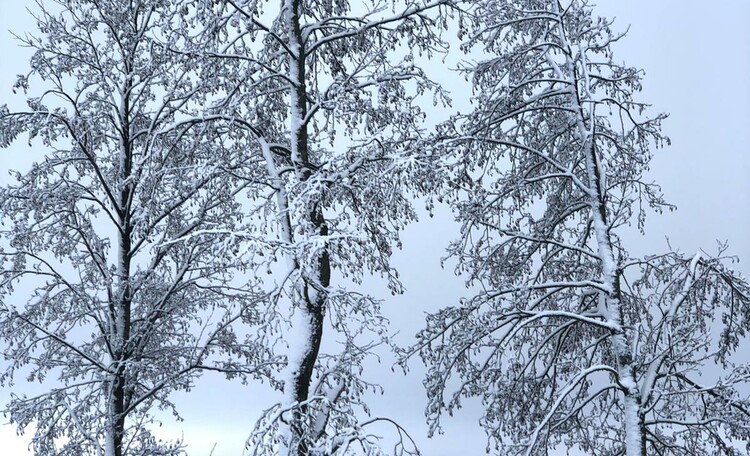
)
(113, 290)
(326, 94)
(572, 342)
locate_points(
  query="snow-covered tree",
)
(324, 93)
(114, 289)
(571, 341)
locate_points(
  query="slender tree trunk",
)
(300, 379)
(634, 438)
(613, 312)
(119, 340)
(120, 310)
(314, 295)
(116, 418)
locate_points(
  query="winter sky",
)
(696, 56)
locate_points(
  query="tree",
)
(571, 341)
(114, 289)
(325, 96)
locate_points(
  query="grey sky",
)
(696, 55)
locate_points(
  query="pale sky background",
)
(696, 55)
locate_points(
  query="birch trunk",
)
(621, 343)
(120, 305)
(315, 282)
(635, 444)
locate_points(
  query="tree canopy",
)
(221, 178)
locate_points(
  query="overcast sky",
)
(696, 55)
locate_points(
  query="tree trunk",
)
(300, 379)
(610, 275)
(634, 439)
(116, 418)
(121, 303)
(315, 284)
